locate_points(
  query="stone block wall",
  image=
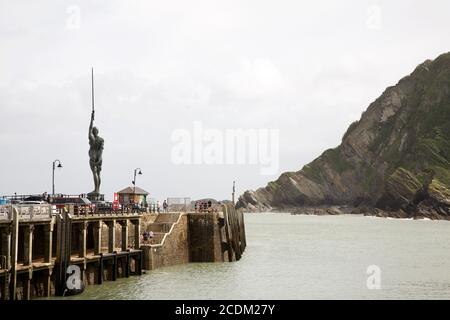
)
(174, 250)
(205, 238)
(196, 237)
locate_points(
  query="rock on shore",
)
(395, 160)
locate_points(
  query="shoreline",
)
(353, 211)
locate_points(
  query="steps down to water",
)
(161, 227)
(217, 236)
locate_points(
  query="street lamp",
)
(134, 181)
(234, 190)
(53, 174)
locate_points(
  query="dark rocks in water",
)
(395, 159)
(322, 210)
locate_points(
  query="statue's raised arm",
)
(91, 126)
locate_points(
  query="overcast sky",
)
(305, 68)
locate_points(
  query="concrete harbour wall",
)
(197, 237)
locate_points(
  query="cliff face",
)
(396, 157)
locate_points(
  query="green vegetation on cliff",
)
(397, 154)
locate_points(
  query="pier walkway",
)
(40, 250)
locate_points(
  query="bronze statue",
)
(95, 151)
(95, 154)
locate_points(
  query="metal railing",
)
(179, 204)
(30, 212)
(26, 211)
(207, 206)
(106, 210)
(14, 199)
(33, 211)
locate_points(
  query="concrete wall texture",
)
(205, 238)
(196, 237)
(173, 250)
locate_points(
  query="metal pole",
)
(53, 179)
(14, 253)
(234, 189)
(134, 182)
(92, 88)
(53, 174)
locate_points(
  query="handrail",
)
(31, 211)
(170, 231)
(26, 211)
(42, 195)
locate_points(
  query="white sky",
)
(306, 68)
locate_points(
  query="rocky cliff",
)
(395, 158)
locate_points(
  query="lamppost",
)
(134, 181)
(53, 174)
(234, 190)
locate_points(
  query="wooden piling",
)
(98, 237)
(48, 243)
(83, 239)
(114, 269)
(59, 254)
(137, 234)
(28, 245)
(227, 233)
(127, 264)
(14, 251)
(111, 236)
(100, 269)
(235, 232)
(124, 225)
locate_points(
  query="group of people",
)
(156, 207)
(204, 206)
(147, 236)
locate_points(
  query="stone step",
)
(167, 217)
(159, 227)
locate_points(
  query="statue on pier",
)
(95, 154)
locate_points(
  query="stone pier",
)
(38, 249)
(195, 237)
(41, 250)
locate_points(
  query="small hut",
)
(133, 195)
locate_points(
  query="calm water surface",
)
(309, 257)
